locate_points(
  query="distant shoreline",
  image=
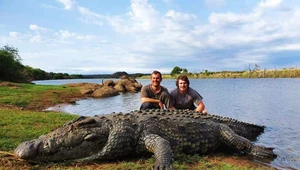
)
(282, 73)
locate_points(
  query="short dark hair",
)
(184, 78)
(156, 72)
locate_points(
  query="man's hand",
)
(161, 105)
(204, 111)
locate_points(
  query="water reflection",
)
(89, 107)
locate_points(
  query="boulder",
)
(105, 91)
(109, 83)
(86, 91)
(85, 88)
(119, 87)
(131, 84)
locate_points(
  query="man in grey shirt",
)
(184, 97)
(155, 96)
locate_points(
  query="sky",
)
(139, 36)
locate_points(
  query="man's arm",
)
(201, 108)
(150, 100)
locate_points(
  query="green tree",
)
(58, 76)
(35, 74)
(178, 70)
(10, 65)
(184, 71)
(13, 51)
(207, 73)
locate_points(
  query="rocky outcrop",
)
(108, 88)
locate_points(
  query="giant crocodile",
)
(162, 132)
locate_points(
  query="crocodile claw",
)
(161, 166)
(262, 152)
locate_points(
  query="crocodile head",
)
(74, 140)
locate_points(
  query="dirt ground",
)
(8, 162)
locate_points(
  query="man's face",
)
(155, 79)
(182, 85)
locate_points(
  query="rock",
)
(105, 91)
(86, 91)
(85, 88)
(131, 84)
(109, 83)
(119, 87)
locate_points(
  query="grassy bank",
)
(36, 97)
(22, 119)
(18, 126)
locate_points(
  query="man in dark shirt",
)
(155, 96)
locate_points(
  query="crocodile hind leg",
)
(230, 138)
(161, 148)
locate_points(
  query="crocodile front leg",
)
(121, 142)
(162, 151)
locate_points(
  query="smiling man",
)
(155, 96)
(184, 97)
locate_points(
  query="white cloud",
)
(229, 18)
(67, 3)
(90, 17)
(14, 34)
(278, 48)
(214, 3)
(142, 15)
(269, 3)
(180, 16)
(16, 38)
(67, 34)
(86, 12)
(289, 47)
(48, 6)
(168, 1)
(37, 28)
(85, 37)
(36, 38)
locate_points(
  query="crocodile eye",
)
(46, 145)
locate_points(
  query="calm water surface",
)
(274, 103)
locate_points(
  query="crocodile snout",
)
(28, 150)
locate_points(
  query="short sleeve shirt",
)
(185, 101)
(163, 95)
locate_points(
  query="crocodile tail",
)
(262, 152)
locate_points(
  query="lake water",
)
(274, 103)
